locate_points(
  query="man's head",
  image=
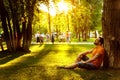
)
(99, 41)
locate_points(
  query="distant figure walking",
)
(52, 38)
(67, 36)
(37, 36)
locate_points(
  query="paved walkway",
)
(64, 43)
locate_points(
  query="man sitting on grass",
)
(82, 61)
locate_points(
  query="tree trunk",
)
(4, 16)
(111, 31)
(27, 37)
(15, 32)
(24, 27)
(13, 35)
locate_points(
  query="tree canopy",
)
(21, 19)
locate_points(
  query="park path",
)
(64, 43)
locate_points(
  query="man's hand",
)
(80, 55)
(83, 62)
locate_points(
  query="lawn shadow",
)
(27, 59)
(28, 64)
(34, 57)
(93, 74)
(6, 56)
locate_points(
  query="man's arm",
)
(92, 59)
(84, 53)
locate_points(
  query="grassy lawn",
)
(41, 64)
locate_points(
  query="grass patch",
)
(41, 63)
(81, 40)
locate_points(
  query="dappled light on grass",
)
(36, 48)
(62, 47)
(56, 58)
(41, 63)
(52, 55)
(58, 55)
(18, 60)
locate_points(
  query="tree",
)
(17, 37)
(81, 19)
(28, 31)
(111, 31)
(4, 19)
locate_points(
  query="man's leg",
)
(81, 57)
(72, 66)
(86, 65)
(76, 64)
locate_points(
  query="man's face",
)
(97, 41)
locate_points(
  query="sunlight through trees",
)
(22, 19)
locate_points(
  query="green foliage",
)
(90, 10)
(96, 14)
(40, 20)
(81, 17)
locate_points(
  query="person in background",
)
(67, 36)
(52, 38)
(37, 36)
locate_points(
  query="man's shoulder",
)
(101, 49)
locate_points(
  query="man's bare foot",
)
(61, 67)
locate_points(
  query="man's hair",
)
(101, 40)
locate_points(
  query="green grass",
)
(81, 40)
(41, 64)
